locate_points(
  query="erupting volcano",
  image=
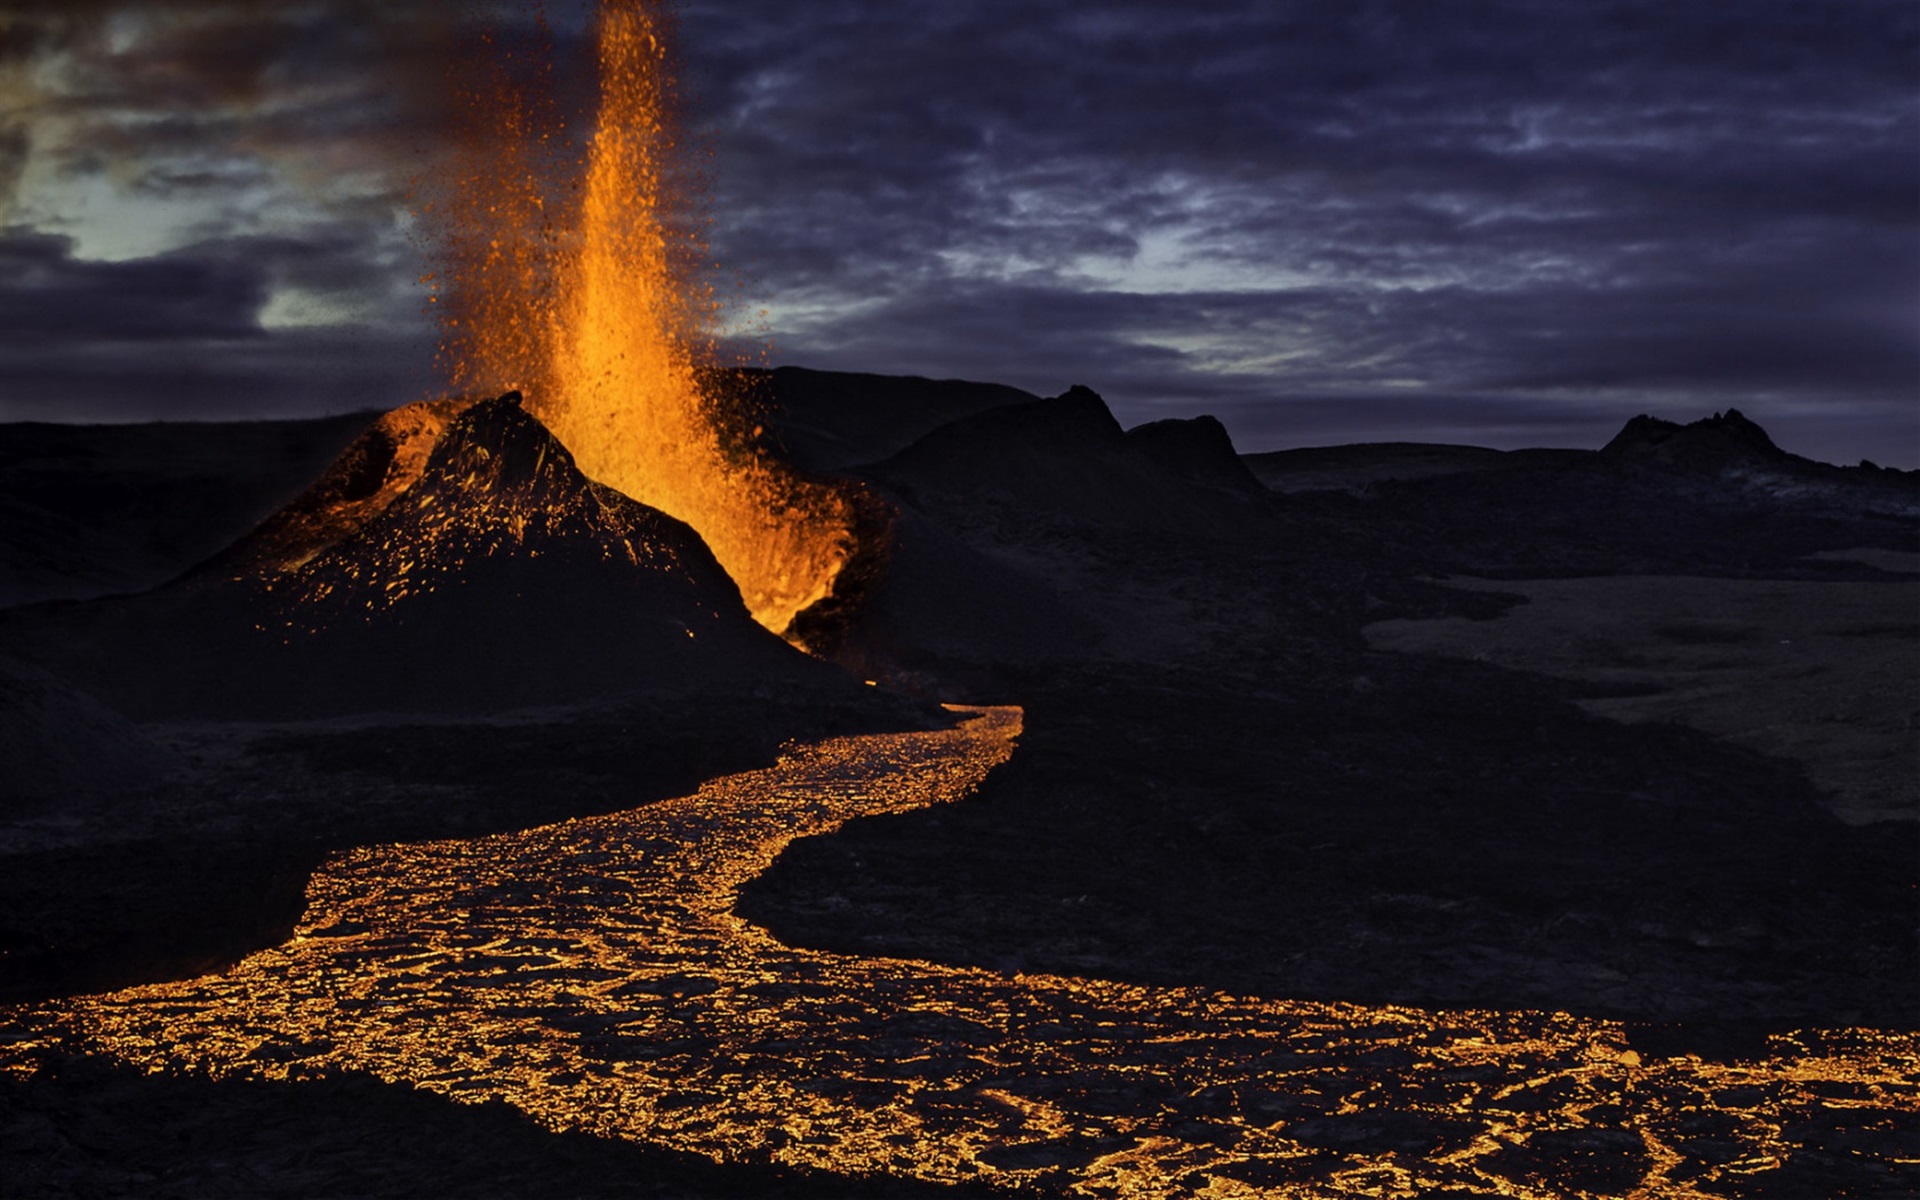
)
(573, 476)
(1338, 821)
(570, 279)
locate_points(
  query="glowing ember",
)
(587, 305)
(385, 461)
(594, 974)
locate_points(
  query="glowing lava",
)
(586, 303)
(595, 975)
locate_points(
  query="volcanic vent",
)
(454, 558)
(496, 498)
(576, 279)
(531, 548)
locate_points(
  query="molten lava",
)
(597, 975)
(584, 298)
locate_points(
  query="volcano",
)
(454, 558)
(1555, 734)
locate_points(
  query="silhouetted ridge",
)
(1074, 422)
(831, 420)
(1722, 440)
(1198, 450)
(1078, 413)
(1064, 456)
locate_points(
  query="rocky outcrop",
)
(1066, 458)
(1723, 440)
(1198, 450)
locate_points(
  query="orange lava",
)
(596, 975)
(574, 283)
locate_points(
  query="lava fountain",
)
(569, 278)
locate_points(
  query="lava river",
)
(593, 974)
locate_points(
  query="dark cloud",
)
(1560, 208)
(301, 372)
(180, 335)
(1513, 221)
(55, 298)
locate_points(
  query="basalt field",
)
(395, 804)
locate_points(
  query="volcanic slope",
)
(1221, 783)
(87, 510)
(1066, 457)
(494, 575)
(1007, 520)
(833, 420)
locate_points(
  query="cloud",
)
(54, 297)
(1567, 207)
(180, 335)
(1519, 214)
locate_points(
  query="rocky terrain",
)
(1275, 740)
(91, 510)
(1225, 781)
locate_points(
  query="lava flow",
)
(594, 974)
(579, 290)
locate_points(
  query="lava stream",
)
(593, 974)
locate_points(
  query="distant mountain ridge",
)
(92, 509)
(450, 526)
(1721, 440)
(1726, 445)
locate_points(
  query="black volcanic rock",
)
(499, 577)
(1063, 457)
(831, 420)
(1723, 440)
(61, 748)
(1198, 450)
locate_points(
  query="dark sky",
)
(1501, 223)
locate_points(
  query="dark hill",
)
(1712, 443)
(1066, 457)
(87, 510)
(500, 577)
(1002, 514)
(831, 420)
(1198, 450)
